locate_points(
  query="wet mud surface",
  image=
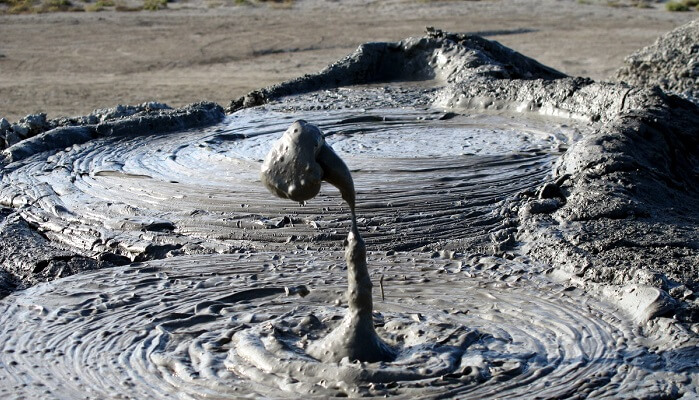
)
(464, 327)
(201, 189)
(528, 235)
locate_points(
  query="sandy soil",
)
(71, 63)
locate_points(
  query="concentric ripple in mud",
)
(199, 191)
(232, 326)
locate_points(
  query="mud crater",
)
(199, 190)
(225, 326)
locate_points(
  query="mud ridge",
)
(440, 55)
(671, 63)
(34, 133)
(630, 178)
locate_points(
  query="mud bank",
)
(671, 63)
(535, 235)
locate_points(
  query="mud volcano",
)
(534, 236)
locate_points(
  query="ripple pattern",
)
(230, 326)
(221, 313)
(422, 177)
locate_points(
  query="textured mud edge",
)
(620, 207)
(672, 63)
(29, 257)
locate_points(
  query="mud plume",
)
(355, 337)
(293, 169)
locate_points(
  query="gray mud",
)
(222, 326)
(150, 196)
(671, 63)
(294, 169)
(536, 234)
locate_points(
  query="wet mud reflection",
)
(167, 329)
(199, 191)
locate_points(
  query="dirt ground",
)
(71, 63)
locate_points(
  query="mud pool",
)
(465, 323)
(201, 190)
(422, 177)
(491, 191)
(471, 326)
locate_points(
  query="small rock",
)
(447, 254)
(20, 130)
(550, 191)
(35, 122)
(4, 125)
(154, 106)
(12, 138)
(680, 292)
(651, 278)
(300, 290)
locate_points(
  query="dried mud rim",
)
(165, 329)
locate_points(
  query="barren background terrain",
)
(70, 63)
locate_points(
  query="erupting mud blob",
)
(294, 169)
(298, 162)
